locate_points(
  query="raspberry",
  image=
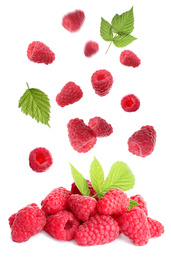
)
(62, 225)
(73, 21)
(69, 94)
(100, 126)
(134, 224)
(130, 103)
(40, 159)
(129, 58)
(40, 53)
(91, 48)
(102, 82)
(75, 190)
(98, 230)
(27, 222)
(81, 206)
(114, 202)
(81, 136)
(56, 200)
(156, 228)
(143, 141)
(142, 204)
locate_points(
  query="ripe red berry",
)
(73, 21)
(69, 94)
(143, 141)
(62, 225)
(98, 230)
(133, 224)
(129, 58)
(130, 103)
(27, 222)
(100, 126)
(56, 200)
(142, 204)
(91, 48)
(40, 159)
(81, 206)
(81, 136)
(40, 53)
(114, 202)
(156, 228)
(102, 81)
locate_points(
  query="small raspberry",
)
(75, 190)
(91, 48)
(27, 222)
(102, 82)
(114, 202)
(156, 228)
(142, 204)
(81, 206)
(40, 159)
(56, 200)
(81, 136)
(129, 58)
(62, 225)
(130, 103)
(98, 230)
(69, 94)
(40, 53)
(73, 21)
(134, 224)
(143, 141)
(100, 126)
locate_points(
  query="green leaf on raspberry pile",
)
(123, 40)
(132, 204)
(124, 23)
(35, 103)
(96, 175)
(80, 181)
(106, 30)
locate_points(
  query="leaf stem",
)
(27, 85)
(108, 47)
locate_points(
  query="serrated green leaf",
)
(106, 30)
(80, 181)
(96, 175)
(120, 176)
(132, 204)
(124, 23)
(35, 103)
(123, 40)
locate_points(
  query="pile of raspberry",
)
(67, 214)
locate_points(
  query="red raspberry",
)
(91, 48)
(142, 204)
(62, 225)
(81, 136)
(75, 190)
(130, 103)
(143, 141)
(40, 159)
(100, 126)
(114, 202)
(81, 206)
(98, 230)
(102, 82)
(134, 224)
(69, 94)
(73, 21)
(129, 58)
(27, 222)
(56, 200)
(156, 228)
(40, 53)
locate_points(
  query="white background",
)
(25, 21)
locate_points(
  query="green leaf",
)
(80, 181)
(106, 30)
(132, 204)
(123, 40)
(124, 23)
(96, 175)
(35, 103)
(120, 176)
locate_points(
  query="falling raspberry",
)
(130, 59)
(100, 126)
(102, 81)
(73, 21)
(91, 48)
(130, 103)
(40, 159)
